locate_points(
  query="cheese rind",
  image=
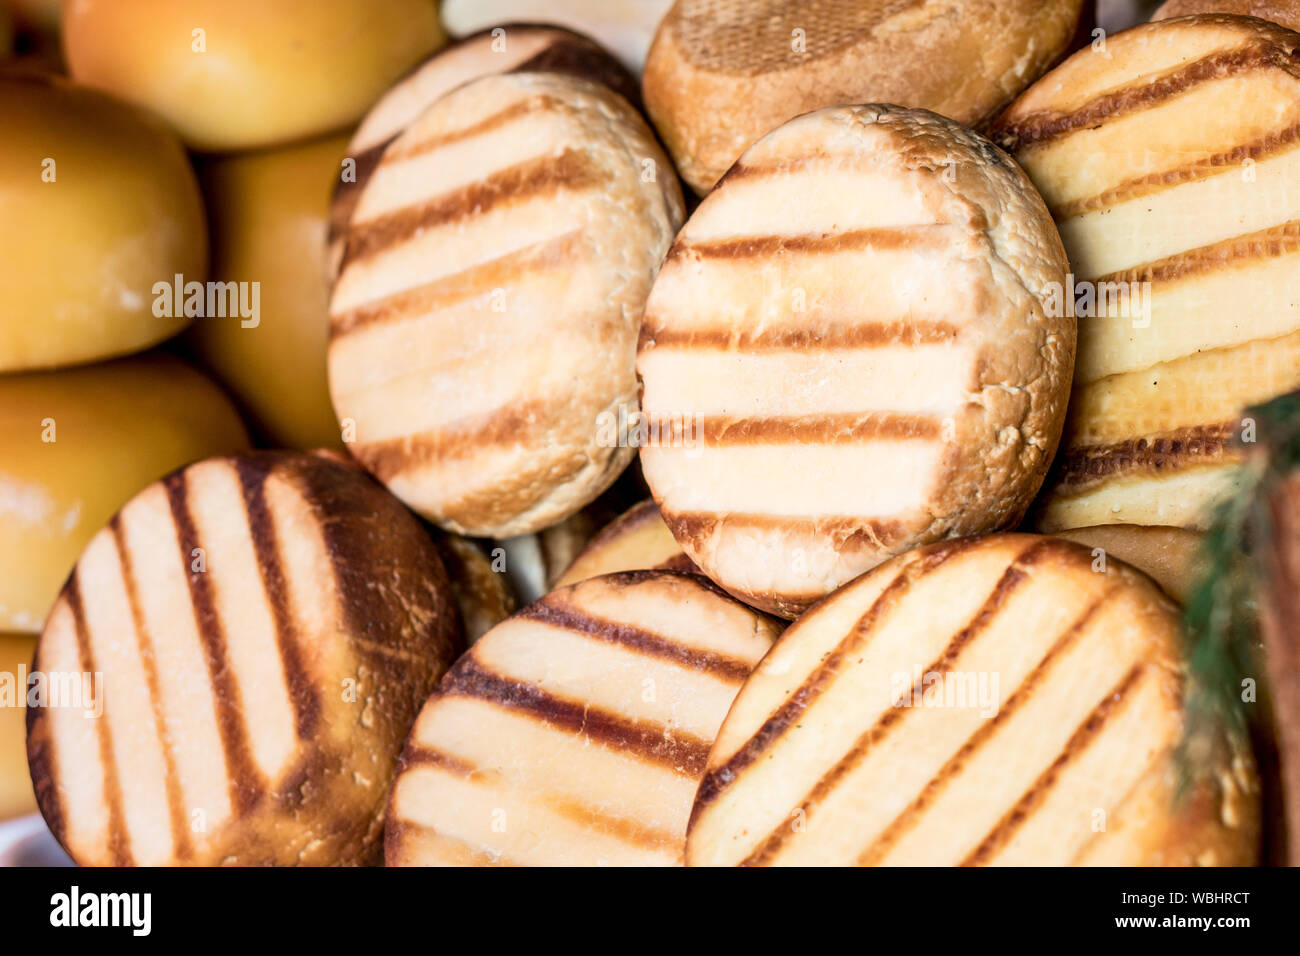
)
(721, 73)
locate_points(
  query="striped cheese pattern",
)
(1170, 165)
(256, 686)
(575, 732)
(991, 701)
(846, 353)
(638, 539)
(516, 47)
(486, 313)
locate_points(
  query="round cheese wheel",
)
(484, 321)
(508, 48)
(848, 353)
(16, 796)
(75, 445)
(1283, 12)
(636, 540)
(1169, 164)
(269, 211)
(721, 73)
(575, 732)
(1170, 556)
(975, 702)
(101, 204)
(261, 632)
(238, 74)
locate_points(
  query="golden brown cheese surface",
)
(721, 73)
(259, 632)
(485, 318)
(1169, 164)
(234, 75)
(991, 701)
(269, 211)
(575, 732)
(100, 204)
(847, 353)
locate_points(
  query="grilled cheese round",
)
(984, 701)
(849, 351)
(484, 322)
(233, 666)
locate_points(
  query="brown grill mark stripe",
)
(348, 193)
(40, 762)
(477, 281)
(119, 841)
(553, 611)
(1078, 742)
(523, 107)
(522, 423)
(245, 783)
(302, 691)
(623, 828)
(543, 176)
(423, 755)
(1203, 168)
(908, 819)
(1272, 243)
(794, 706)
(1038, 128)
(855, 240)
(144, 642)
(850, 429)
(846, 531)
(649, 742)
(910, 333)
(1085, 467)
(1011, 579)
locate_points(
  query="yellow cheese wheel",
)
(16, 797)
(238, 74)
(269, 212)
(100, 204)
(76, 444)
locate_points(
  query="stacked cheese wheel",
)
(467, 317)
